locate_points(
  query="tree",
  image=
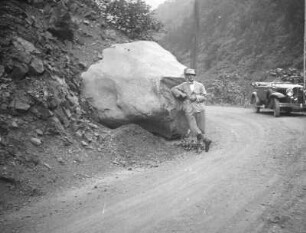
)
(132, 17)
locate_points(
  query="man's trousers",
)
(196, 122)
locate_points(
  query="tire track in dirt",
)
(233, 188)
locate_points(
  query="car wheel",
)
(256, 108)
(276, 107)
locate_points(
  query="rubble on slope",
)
(49, 135)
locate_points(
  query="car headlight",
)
(289, 92)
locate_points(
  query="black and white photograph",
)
(152, 116)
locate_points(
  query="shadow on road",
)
(293, 114)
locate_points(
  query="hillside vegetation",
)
(239, 39)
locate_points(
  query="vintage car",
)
(278, 96)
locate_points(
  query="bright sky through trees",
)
(154, 3)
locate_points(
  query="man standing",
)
(193, 95)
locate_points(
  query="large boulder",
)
(132, 85)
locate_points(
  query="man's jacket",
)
(184, 92)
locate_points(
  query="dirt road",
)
(252, 180)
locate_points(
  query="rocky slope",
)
(49, 136)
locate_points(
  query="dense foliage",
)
(133, 17)
(229, 89)
(237, 36)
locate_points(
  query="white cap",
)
(189, 71)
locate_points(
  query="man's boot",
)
(199, 140)
(207, 143)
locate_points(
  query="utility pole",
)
(304, 59)
(304, 72)
(195, 45)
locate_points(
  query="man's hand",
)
(193, 98)
(182, 96)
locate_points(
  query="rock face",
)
(132, 85)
